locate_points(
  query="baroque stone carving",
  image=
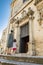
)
(37, 1)
(23, 13)
(41, 17)
(30, 12)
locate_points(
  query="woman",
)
(10, 42)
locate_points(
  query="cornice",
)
(21, 9)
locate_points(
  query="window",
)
(24, 1)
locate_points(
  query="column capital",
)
(31, 17)
(30, 12)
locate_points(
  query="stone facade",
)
(39, 29)
(0, 47)
(31, 12)
(4, 39)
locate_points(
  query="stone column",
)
(18, 37)
(31, 32)
(30, 35)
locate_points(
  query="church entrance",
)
(24, 45)
(24, 38)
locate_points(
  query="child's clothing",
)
(14, 45)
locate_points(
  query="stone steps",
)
(10, 62)
(21, 59)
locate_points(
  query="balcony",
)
(37, 2)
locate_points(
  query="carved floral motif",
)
(41, 17)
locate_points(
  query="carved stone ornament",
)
(17, 20)
(41, 17)
(30, 12)
(37, 1)
(24, 14)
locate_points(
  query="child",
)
(14, 46)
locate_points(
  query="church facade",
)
(26, 21)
